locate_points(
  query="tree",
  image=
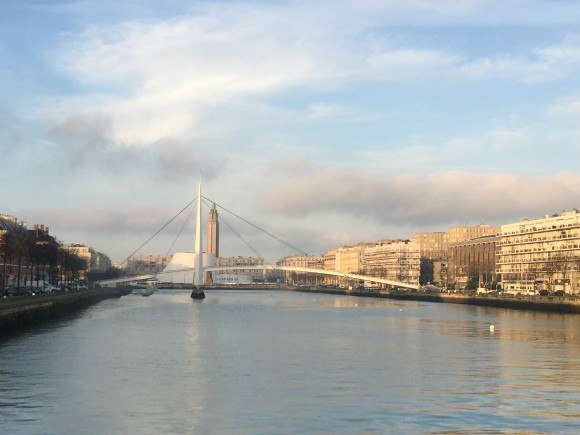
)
(8, 249)
(564, 264)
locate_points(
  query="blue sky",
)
(327, 122)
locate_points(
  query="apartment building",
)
(301, 261)
(257, 275)
(397, 260)
(146, 264)
(540, 254)
(461, 233)
(432, 246)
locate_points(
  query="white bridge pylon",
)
(326, 272)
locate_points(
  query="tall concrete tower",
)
(213, 232)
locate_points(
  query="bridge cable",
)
(259, 228)
(158, 231)
(181, 230)
(268, 233)
(258, 255)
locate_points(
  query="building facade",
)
(247, 263)
(346, 259)
(95, 261)
(461, 233)
(472, 263)
(432, 246)
(440, 273)
(146, 264)
(396, 260)
(541, 254)
(300, 261)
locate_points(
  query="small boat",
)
(150, 288)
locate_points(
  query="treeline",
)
(33, 255)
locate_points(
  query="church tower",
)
(213, 232)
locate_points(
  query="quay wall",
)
(17, 312)
(556, 304)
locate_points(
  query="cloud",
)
(88, 143)
(461, 151)
(462, 12)
(442, 198)
(541, 65)
(161, 79)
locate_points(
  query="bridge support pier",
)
(197, 293)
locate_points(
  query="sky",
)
(324, 122)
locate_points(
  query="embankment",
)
(565, 304)
(20, 311)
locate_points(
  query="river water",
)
(283, 362)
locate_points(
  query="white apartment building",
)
(397, 260)
(256, 274)
(540, 254)
(146, 264)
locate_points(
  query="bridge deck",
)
(327, 272)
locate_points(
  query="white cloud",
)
(542, 65)
(442, 198)
(170, 78)
(159, 79)
(456, 152)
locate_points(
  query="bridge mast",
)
(199, 275)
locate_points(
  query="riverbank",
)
(23, 310)
(557, 304)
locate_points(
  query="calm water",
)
(262, 362)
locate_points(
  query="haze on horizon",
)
(325, 122)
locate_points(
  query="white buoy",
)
(491, 328)
(356, 305)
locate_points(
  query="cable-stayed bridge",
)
(200, 272)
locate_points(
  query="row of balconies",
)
(537, 239)
(532, 260)
(542, 229)
(519, 251)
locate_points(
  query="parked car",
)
(559, 293)
(543, 293)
